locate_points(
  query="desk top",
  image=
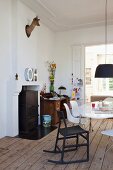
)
(54, 98)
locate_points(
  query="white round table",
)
(87, 111)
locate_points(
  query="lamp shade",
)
(62, 88)
(104, 71)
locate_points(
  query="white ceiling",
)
(62, 15)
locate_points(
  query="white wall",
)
(18, 52)
(5, 61)
(35, 50)
(63, 51)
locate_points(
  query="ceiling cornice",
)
(49, 18)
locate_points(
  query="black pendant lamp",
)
(104, 70)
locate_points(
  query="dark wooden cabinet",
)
(50, 106)
(28, 111)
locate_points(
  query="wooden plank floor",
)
(23, 154)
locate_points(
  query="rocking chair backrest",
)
(61, 117)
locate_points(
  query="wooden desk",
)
(48, 106)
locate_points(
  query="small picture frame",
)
(88, 76)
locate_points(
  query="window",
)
(95, 55)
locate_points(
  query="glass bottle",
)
(51, 86)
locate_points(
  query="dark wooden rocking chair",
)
(68, 133)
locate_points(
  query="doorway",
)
(95, 55)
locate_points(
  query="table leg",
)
(110, 146)
(90, 126)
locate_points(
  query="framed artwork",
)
(88, 76)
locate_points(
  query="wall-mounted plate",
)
(28, 74)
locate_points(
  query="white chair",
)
(108, 102)
(108, 133)
(110, 99)
(75, 109)
(76, 112)
(70, 117)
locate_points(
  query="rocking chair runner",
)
(68, 133)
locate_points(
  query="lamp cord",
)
(105, 30)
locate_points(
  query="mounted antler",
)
(29, 28)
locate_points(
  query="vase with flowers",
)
(51, 69)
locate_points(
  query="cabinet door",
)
(57, 105)
(28, 97)
(48, 107)
(28, 111)
(32, 98)
(55, 116)
(31, 111)
(28, 118)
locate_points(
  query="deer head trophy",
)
(29, 28)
